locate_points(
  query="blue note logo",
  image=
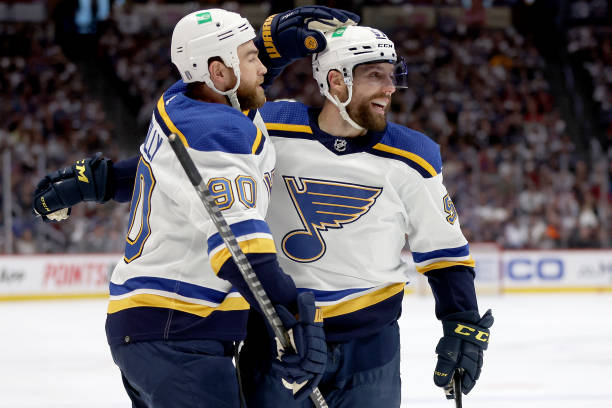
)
(323, 204)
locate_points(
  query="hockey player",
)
(177, 300)
(357, 186)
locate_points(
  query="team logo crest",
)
(321, 205)
(311, 43)
(340, 145)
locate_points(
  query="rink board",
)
(497, 271)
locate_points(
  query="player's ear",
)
(336, 82)
(220, 74)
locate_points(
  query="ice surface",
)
(546, 351)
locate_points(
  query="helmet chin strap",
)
(342, 105)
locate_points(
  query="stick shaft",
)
(457, 388)
(243, 264)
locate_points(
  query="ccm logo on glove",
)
(468, 331)
(80, 167)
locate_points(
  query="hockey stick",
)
(246, 270)
(457, 388)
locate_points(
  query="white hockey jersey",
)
(166, 286)
(342, 207)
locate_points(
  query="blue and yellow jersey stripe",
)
(171, 294)
(289, 130)
(443, 258)
(253, 236)
(411, 147)
(164, 121)
(337, 303)
(287, 119)
(207, 126)
(358, 312)
(413, 160)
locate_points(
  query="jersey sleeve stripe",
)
(257, 142)
(251, 246)
(355, 303)
(441, 253)
(240, 229)
(153, 300)
(285, 127)
(445, 264)
(167, 122)
(414, 158)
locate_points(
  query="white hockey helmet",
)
(346, 48)
(205, 34)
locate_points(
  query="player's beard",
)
(251, 97)
(361, 113)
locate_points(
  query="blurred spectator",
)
(47, 121)
(510, 166)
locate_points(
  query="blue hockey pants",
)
(360, 373)
(178, 374)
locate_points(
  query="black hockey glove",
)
(301, 371)
(466, 335)
(85, 180)
(297, 33)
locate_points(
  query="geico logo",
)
(385, 46)
(545, 269)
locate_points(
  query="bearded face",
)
(370, 111)
(250, 93)
(250, 96)
(371, 100)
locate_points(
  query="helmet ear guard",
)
(205, 34)
(346, 48)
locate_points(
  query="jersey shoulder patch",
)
(206, 126)
(411, 147)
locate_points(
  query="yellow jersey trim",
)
(251, 246)
(161, 107)
(149, 300)
(362, 302)
(409, 155)
(289, 128)
(256, 142)
(446, 264)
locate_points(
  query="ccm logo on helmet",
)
(385, 45)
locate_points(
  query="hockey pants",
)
(178, 374)
(360, 373)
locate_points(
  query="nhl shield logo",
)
(340, 145)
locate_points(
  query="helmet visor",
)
(400, 74)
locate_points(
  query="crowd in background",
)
(511, 167)
(47, 120)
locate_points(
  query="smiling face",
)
(372, 90)
(250, 93)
